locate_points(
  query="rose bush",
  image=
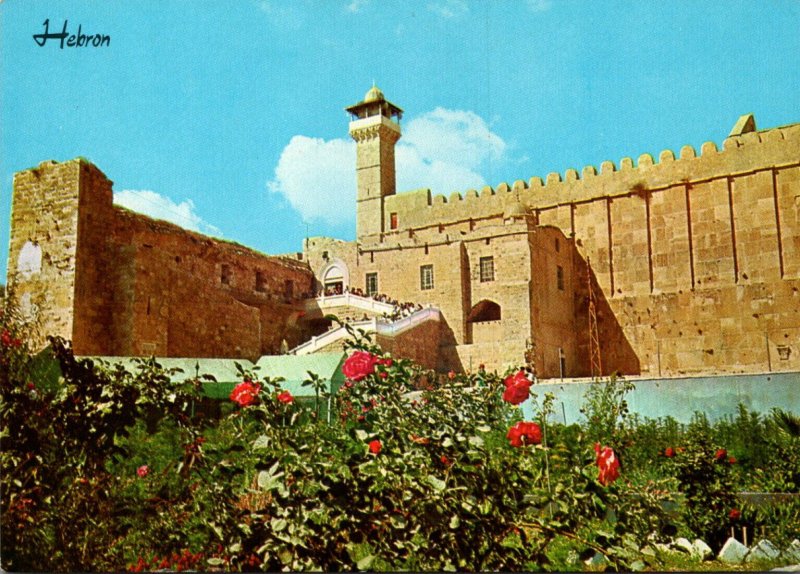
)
(400, 479)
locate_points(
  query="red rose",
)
(732, 460)
(386, 362)
(735, 514)
(445, 460)
(245, 393)
(383, 374)
(143, 471)
(375, 446)
(608, 463)
(285, 397)
(524, 433)
(670, 452)
(721, 455)
(517, 378)
(517, 392)
(359, 365)
(8, 340)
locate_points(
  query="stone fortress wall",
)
(695, 260)
(119, 283)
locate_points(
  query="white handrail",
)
(350, 300)
(373, 325)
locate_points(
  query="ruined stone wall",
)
(120, 283)
(200, 297)
(43, 246)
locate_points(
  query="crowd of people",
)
(399, 311)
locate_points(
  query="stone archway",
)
(485, 311)
(334, 278)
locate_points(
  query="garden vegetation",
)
(105, 469)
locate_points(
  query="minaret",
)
(376, 128)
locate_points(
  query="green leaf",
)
(365, 562)
(455, 522)
(476, 441)
(437, 484)
(214, 562)
(261, 442)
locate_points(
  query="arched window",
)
(484, 311)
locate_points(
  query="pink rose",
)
(359, 365)
(143, 471)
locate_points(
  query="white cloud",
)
(443, 150)
(457, 137)
(449, 8)
(162, 207)
(318, 178)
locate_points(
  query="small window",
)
(288, 289)
(372, 283)
(560, 277)
(426, 277)
(226, 275)
(325, 255)
(487, 269)
(558, 245)
(393, 220)
(261, 281)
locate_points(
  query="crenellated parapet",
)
(740, 154)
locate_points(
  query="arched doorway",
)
(334, 278)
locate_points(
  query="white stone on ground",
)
(792, 552)
(701, 550)
(733, 552)
(684, 545)
(764, 550)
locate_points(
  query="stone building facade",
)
(693, 262)
(685, 265)
(118, 283)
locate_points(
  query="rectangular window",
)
(487, 269)
(226, 275)
(261, 281)
(288, 289)
(426, 277)
(372, 283)
(560, 277)
(393, 220)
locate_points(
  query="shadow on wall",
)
(448, 356)
(616, 353)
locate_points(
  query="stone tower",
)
(376, 128)
(59, 221)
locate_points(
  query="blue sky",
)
(228, 116)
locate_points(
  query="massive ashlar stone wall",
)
(698, 257)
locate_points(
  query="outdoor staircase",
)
(375, 325)
(349, 300)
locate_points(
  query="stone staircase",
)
(375, 325)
